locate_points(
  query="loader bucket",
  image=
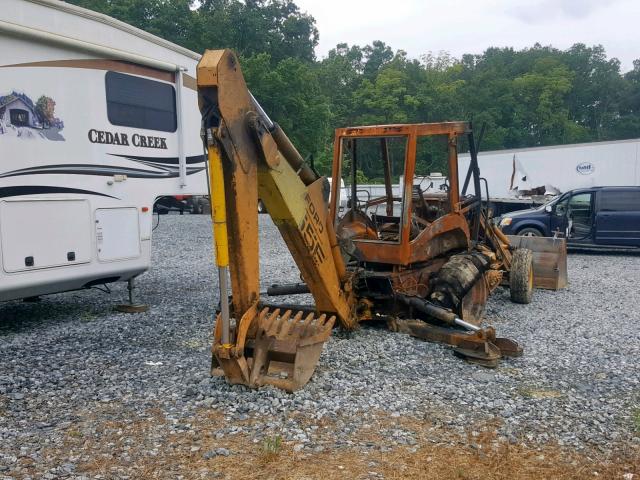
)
(549, 260)
(273, 348)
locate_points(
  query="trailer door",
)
(37, 234)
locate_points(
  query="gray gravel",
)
(578, 383)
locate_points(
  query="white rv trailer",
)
(520, 178)
(97, 120)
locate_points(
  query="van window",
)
(620, 200)
(140, 103)
(579, 213)
(560, 208)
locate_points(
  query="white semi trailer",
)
(521, 178)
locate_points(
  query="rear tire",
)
(205, 206)
(530, 232)
(196, 208)
(521, 276)
(261, 207)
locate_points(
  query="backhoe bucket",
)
(272, 348)
(549, 260)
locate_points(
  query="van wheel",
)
(521, 276)
(530, 232)
(261, 207)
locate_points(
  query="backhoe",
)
(387, 247)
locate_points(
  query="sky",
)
(466, 26)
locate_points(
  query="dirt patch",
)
(158, 447)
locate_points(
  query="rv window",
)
(140, 103)
(620, 200)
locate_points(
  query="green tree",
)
(542, 111)
(386, 99)
(290, 93)
(339, 76)
(174, 20)
(627, 124)
(277, 27)
(376, 56)
(598, 88)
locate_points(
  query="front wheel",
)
(530, 232)
(521, 276)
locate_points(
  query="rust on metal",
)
(426, 267)
(549, 260)
(282, 350)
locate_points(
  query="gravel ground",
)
(71, 357)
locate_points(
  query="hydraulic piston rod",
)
(435, 311)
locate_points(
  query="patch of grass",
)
(271, 448)
(636, 419)
(74, 433)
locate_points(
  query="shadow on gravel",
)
(18, 316)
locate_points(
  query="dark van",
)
(597, 216)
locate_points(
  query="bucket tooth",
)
(286, 326)
(283, 351)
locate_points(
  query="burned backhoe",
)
(396, 250)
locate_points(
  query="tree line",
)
(536, 96)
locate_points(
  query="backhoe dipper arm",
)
(258, 161)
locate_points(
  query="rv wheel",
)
(521, 276)
(205, 206)
(194, 206)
